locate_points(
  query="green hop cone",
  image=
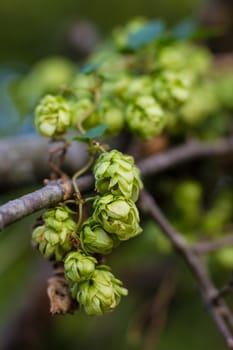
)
(100, 294)
(109, 112)
(174, 57)
(202, 103)
(112, 114)
(145, 117)
(84, 82)
(60, 218)
(117, 215)
(49, 74)
(118, 85)
(83, 109)
(138, 84)
(50, 243)
(172, 89)
(79, 267)
(116, 173)
(95, 239)
(188, 200)
(52, 116)
(54, 237)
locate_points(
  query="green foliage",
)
(150, 90)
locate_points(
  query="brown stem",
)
(54, 192)
(211, 246)
(216, 306)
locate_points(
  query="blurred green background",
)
(29, 31)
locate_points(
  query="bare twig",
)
(210, 246)
(150, 319)
(215, 304)
(186, 152)
(54, 193)
(40, 199)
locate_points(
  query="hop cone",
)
(174, 57)
(100, 294)
(172, 89)
(95, 239)
(111, 114)
(117, 215)
(82, 107)
(202, 103)
(52, 116)
(107, 112)
(116, 173)
(138, 84)
(145, 117)
(79, 267)
(54, 237)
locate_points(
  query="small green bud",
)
(52, 116)
(145, 117)
(188, 200)
(116, 173)
(225, 257)
(100, 294)
(171, 88)
(117, 215)
(202, 103)
(79, 267)
(217, 218)
(138, 85)
(95, 239)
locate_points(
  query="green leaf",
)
(185, 29)
(148, 33)
(97, 131)
(80, 138)
(92, 133)
(189, 29)
(91, 68)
